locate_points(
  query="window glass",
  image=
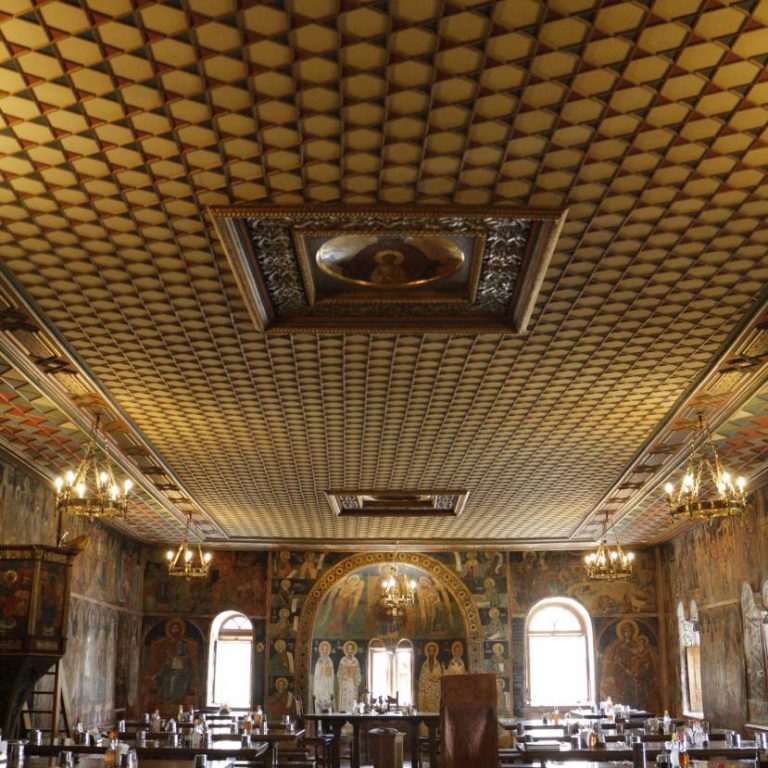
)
(560, 654)
(229, 664)
(390, 670)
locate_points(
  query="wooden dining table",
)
(97, 761)
(264, 747)
(559, 752)
(335, 722)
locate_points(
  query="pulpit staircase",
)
(47, 708)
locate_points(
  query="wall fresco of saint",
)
(173, 665)
(348, 617)
(26, 506)
(90, 662)
(628, 664)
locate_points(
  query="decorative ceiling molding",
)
(28, 345)
(406, 503)
(725, 388)
(385, 269)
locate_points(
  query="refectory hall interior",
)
(350, 345)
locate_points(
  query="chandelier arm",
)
(707, 490)
(183, 562)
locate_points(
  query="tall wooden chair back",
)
(468, 722)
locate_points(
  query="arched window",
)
(390, 670)
(690, 660)
(229, 660)
(560, 654)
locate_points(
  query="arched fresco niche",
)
(340, 609)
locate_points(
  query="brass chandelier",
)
(90, 490)
(188, 560)
(397, 593)
(608, 563)
(707, 489)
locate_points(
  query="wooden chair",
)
(221, 724)
(393, 703)
(314, 748)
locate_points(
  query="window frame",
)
(586, 630)
(237, 634)
(689, 635)
(377, 645)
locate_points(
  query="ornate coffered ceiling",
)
(402, 269)
(123, 122)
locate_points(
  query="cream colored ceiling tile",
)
(415, 41)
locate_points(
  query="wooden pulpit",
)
(34, 616)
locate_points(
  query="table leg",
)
(336, 747)
(432, 746)
(355, 761)
(415, 745)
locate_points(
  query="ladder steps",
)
(54, 715)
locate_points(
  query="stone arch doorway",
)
(439, 572)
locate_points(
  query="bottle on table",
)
(592, 738)
(112, 753)
(638, 755)
(674, 755)
(197, 734)
(666, 723)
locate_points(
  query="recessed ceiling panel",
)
(435, 269)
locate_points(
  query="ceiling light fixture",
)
(189, 560)
(91, 490)
(397, 593)
(708, 489)
(608, 563)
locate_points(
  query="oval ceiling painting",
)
(390, 262)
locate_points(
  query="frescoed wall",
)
(91, 661)
(26, 506)
(178, 614)
(347, 618)
(237, 581)
(118, 613)
(106, 593)
(628, 608)
(710, 564)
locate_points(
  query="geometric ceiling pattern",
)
(123, 121)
